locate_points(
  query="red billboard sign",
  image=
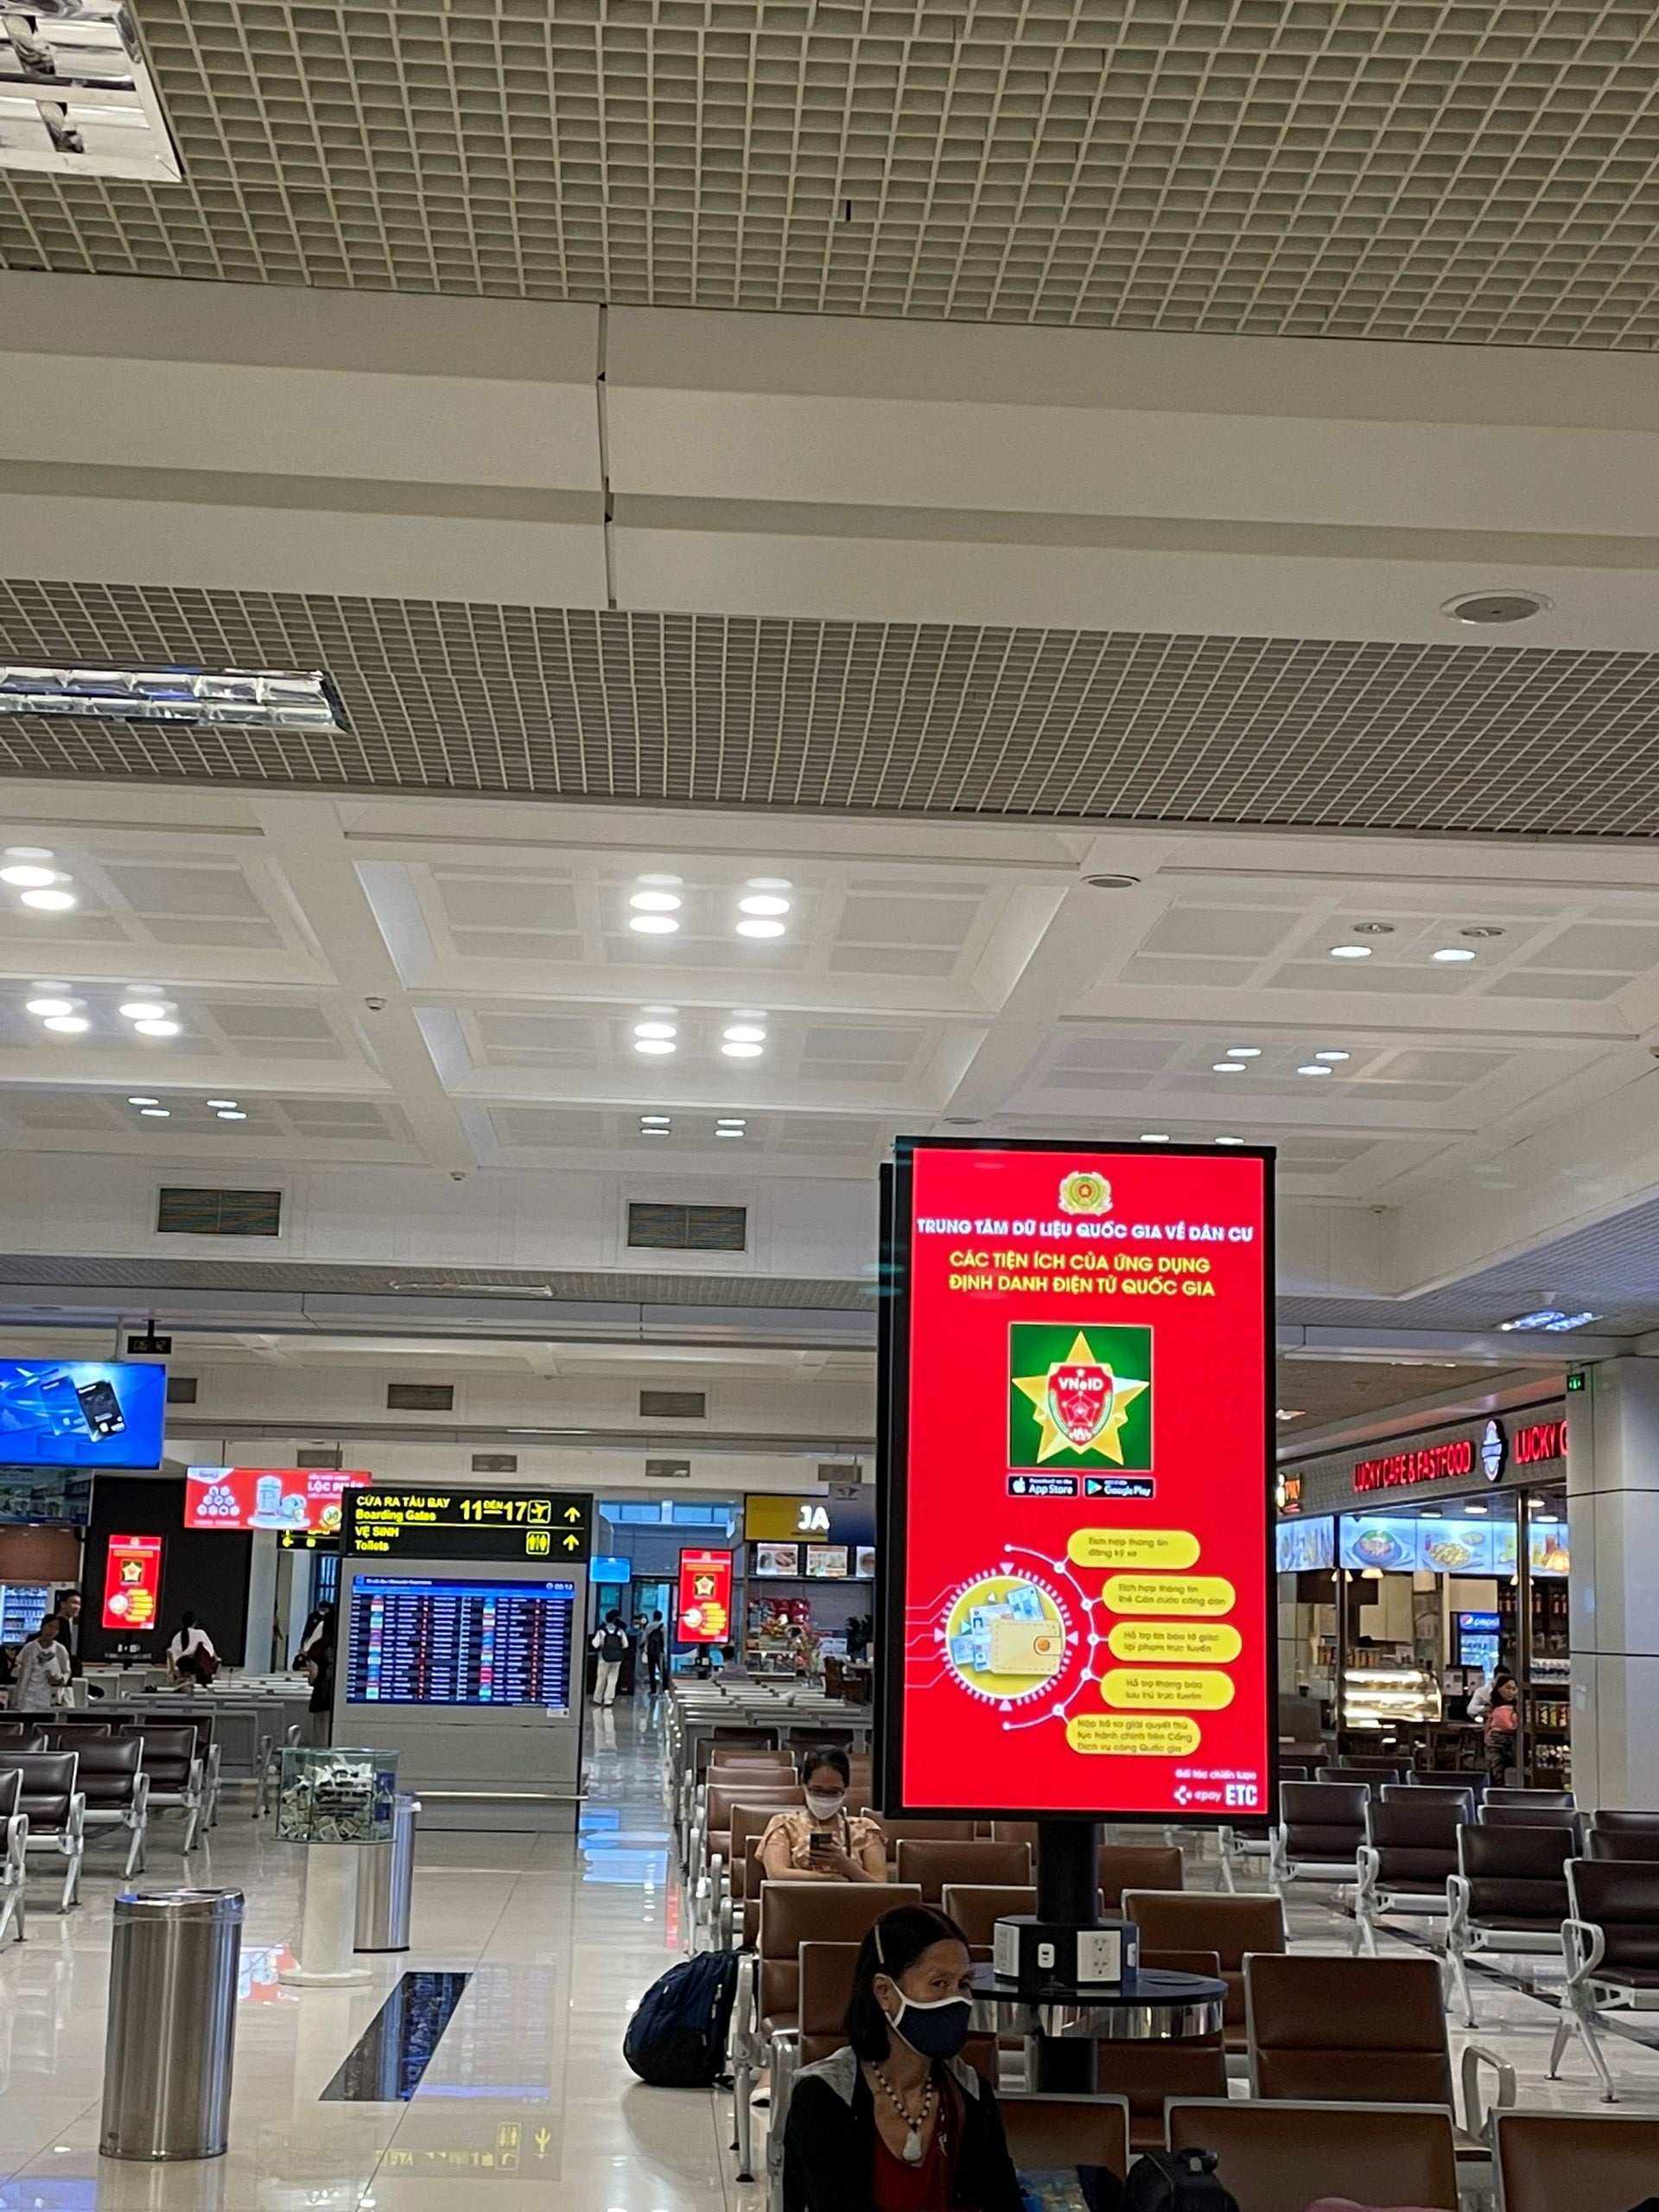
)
(132, 1583)
(1078, 1482)
(705, 1608)
(302, 1500)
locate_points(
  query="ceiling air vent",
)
(495, 1463)
(688, 1229)
(219, 1213)
(182, 1389)
(673, 1404)
(319, 1455)
(667, 1471)
(420, 1397)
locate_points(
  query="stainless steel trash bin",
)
(385, 1875)
(172, 2028)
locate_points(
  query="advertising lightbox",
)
(1077, 1552)
(294, 1499)
(75, 1412)
(705, 1595)
(132, 1583)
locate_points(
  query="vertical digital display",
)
(705, 1608)
(1076, 1381)
(439, 1641)
(132, 1583)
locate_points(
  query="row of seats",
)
(53, 1796)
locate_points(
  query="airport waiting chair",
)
(1148, 2074)
(1320, 1833)
(65, 1735)
(1507, 1898)
(13, 1831)
(1589, 2162)
(1138, 1867)
(1611, 1941)
(1290, 2153)
(115, 1791)
(176, 1772)
(1565, 1817)
(50, 1802)
(1231, 1927)
(1410, 1854)
(1047, 2132)
(1634, 1847)
(931, 1864)
(1511, 1795)
(978, 1906)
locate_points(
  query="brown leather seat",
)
(1367, 2030)
(1016, 1832)
(1047, 2133)
(1623, 1901)
(1581, 2161)
(69, 1735)
(47, 1790)
(793, 1913)
(1517, 1878)
(1230, 1928)
(1146, 2074)
(1279, 2157)
(1528, 1816)
(898, 1832)
(1625, 1823)
(173, 1766)
(1633, 1846)
(1138, 1867)
(933, 1865)
(1323, 1823)
(826, 1990)
(1499, 1795)
(724, 1797)
(1413, 1834)
(976, 1907)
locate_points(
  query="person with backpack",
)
(897, 2121)
(611, 1642)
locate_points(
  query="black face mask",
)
(936, 2031)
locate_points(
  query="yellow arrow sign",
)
(541, 2138)
(573, 1513)
(573, 1543)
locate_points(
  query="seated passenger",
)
(820, 1841)
(898, 2122)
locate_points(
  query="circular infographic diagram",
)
(1005, 1638)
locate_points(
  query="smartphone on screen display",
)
(100, 1408)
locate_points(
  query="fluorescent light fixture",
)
(156, 1028)
(1228, 1067)
(144, 1101)
(228, 699)
(728, 1133)
(1154, 1136)
(654, 1132)
(658, 1029)
(1229, 1140)
(742, 1051)
(1476, 1509)
(1243, 1051)
(25, 876)
(49, 902)
(1332, 1056)
(67, 1025)
(1454, 952)
(759, 928)
(743, 1032)
(658, 1046)
(76, 95)
(1350, 952)
(650, 1121)
(50, 1005)
(231, 1114)
(763, 903)
(30, 853)
(654, 924)
(144, 1009)
(1313, 1068)
(221, 1103)
(154, 1113)
(654, 902)
(1290, 1413)
(1550, 1319)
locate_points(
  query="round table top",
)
(1151, 2005)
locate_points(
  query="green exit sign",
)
(1578, 1380)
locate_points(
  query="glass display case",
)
(336, 1794)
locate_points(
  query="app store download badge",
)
(1080, 1396)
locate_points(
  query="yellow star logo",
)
(1081, 1405)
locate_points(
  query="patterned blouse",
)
(852, 1831)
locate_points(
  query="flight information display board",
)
(466, 1524)
(441, 1641)
(1076, 1370)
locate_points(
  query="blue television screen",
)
(71, 1413)
(608, 1569)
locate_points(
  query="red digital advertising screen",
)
(705, 1613)
(132, 1583)
(1076, 1360)
(306, 1500)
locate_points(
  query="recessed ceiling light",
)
(654, 1131)
(1111, 882)
(1330, 1056)
(742, 1052)
(154, 1113)
(769, 883)
(231, 1114)
(655, 1029)
(1550, 1319)
(1290, 1413)
(144, 1101)
(1229, 1140)
(1350, 952)
(654, 902)
(1476, 1509)
(1486, 607)
(231, 698)
(1371, 929)
(67, 1025)
(657, 1044)
(30, 853)
(1151, 1136)
(741, 1032)
(731, 1120)
(50, 1005)
(24, 876)
(1481, 929)
(728, 1133)
(144, 1009)
(1450, 952)
(156, 1028)
(1313, 1068)
(653, 925)
(759, 928)
(1243, 1051)
(654, 1121)
(49, 902)
(763, 903)
(221, 1102)
(1228, 1067)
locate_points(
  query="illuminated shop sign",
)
(1492, 1451)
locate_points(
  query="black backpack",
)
(615, 1645)
(1177, 2180)
(676, 2040)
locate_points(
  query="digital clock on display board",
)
(440, 1524)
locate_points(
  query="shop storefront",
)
(812, 1580)
(1411, 1573)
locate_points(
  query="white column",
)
(1613, 1482)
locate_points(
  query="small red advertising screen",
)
(132, 1583)
(306, 1500)
(1077, 1481)
(705, 1613)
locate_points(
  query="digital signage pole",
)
(1077, 1556)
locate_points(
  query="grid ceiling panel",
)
(1364, 168)
(869, 717)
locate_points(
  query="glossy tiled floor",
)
(527, 2102)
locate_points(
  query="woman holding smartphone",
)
(820, 1841)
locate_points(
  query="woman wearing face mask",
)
(897, 2122)
(822, 1841)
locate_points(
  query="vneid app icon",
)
(1079, 1396)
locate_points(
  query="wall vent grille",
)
(181, 1213)
(421, 1397)
(687, 1228)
